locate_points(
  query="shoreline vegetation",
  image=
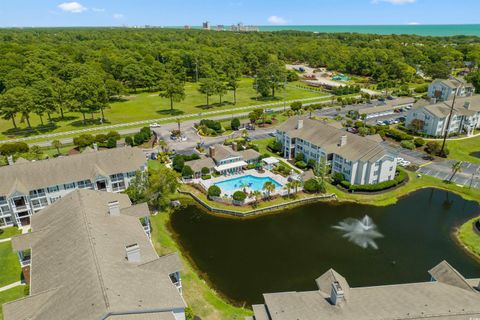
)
(468, 239)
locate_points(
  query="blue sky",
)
(258, 12)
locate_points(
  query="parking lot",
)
(470, 175)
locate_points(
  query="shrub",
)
(187, 171)
(311, 163)
(397, 135)
(84, 140)
(301, 164)
(296, 106)
(311, 185)
(206, 177)
(407, 144)
(101, 138)
(9, 149)
(214, 191)
(239, 196)
(299, 157)
(178, 163)
(433, 147)
(111, 143)
(205, 170)
(363, 131)
(114, 134)
(212, 124)
(235, 124)
(338, 177)
(399, 178)
(275, 146)
(129, 141)
(138, 139)
(419, 142)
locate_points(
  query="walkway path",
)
(5, 240)
(11, 285)
(166, 119)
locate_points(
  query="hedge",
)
(399, 178)
(214, 191)
(9, 149)
(407, 144)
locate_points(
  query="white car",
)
(154, 125)
(405, 163)
(399, 160)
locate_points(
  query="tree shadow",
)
(26, 132)
(89, 122)
(265, 99)
(65, 118)
(214, 105)
(475, 154)
(174, 112)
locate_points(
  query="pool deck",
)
(266, 174)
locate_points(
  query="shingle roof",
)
(24, 177)
(442, 109)
(79, 268)
(249, 154)
(199, 164)
(390, 105)
(405, 301)
(328, 138)
(223, 152)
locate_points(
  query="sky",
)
(34, 13)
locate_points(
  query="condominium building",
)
(388, 108)
(432, 118)
(362, 160)
(448, 296)
(29, 186)
(91, 259)
(443, 90)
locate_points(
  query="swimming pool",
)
(250, 182)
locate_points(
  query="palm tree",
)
(269, 187)
(258, 195)
(456, 168)
(296, 184)
(57, 145)
(289, 187)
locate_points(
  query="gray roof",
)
(328, 138)
(454, 82)
(249, 154)
(389, 105)
(79, 268)
(199, 164)
(436, 299)
(442, 109)
(223, 152)
(27, 176)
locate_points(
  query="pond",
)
(243, 259)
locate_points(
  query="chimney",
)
(299, 124)
(212, 151)
(337, 295)
(95, 146)
(10, 160)
(467, 105)
(433, 100)
(133, 253)
(114, 208)
(235, 146)
(343, 140)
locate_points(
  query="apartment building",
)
(448, 296)
(90, 259)
(29, 186)
(444, 90)
(362, 160)
(432, 117)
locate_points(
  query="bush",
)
(419, 142)
(407, 144)
(212, 124)
(434, 148)
(187, 171)
(275, 146)
(299, 157)
(311, 185)
(397, 135)
(138, 139)
(129, 141)
(178, 163)
(296, 106)
(301, 164)
(9, 149)
(205, 170)
(101, 138)
(311, 164)
(206, 177)
(399, 178)
(111, 143)
(239, 196)
(214, 191)
(338, 177)
(235, 124)
(114, 134)
(84, 140)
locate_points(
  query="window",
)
(37, 193)
(68, 186)
(85, 184)
(39, 203)
(53, 199)
(53, 189)
(118, 186)
(116, 177)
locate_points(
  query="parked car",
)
(399, 159)
(154, 125)
(405, 163)
(428, 157)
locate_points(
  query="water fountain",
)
(361, 232)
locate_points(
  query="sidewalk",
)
(12, 285)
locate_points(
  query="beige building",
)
(91, 259)
(449, 296)
(29, 186)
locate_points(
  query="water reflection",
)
(361, 232)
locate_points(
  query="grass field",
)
(466, 149)
(9, 265)
(149, 105)
(204, 301)
(469, 238)
(9, 232)
(11, 295)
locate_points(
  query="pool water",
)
(251, 182)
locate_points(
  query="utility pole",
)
(448, 123)
(285, 94)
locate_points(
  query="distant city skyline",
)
(45, 13)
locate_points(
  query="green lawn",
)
(10, 270)
(469, 238)
(9, 232)
(466, 149)
(149, 105)
(204, 301)
(11, 295)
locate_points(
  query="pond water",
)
(286, 252)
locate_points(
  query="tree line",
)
(53, 71)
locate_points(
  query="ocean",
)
(421, 30)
